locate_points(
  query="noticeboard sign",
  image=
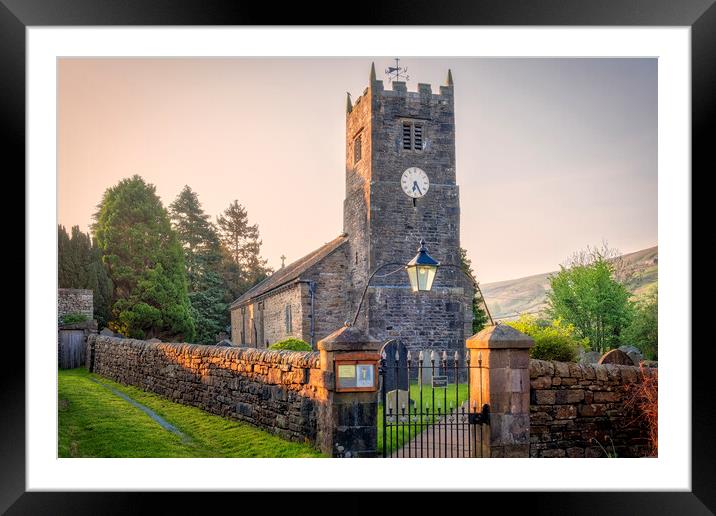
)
(355, 376)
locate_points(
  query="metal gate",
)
(434, 417)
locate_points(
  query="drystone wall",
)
(279, 391)
(582, 410)
(74, 301)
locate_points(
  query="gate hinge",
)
(480, 418)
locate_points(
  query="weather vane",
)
(396, 73)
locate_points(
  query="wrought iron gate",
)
(435, 418)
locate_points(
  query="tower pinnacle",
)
(449, 77)
(349, 105)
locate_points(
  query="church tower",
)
(401, 188)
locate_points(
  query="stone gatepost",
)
(347, 425)
(499, 377)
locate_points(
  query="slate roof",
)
(291, 271)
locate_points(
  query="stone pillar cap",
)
(349, 338)
(500, 336)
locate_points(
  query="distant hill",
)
(507, 299)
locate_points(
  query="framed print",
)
(223, 215)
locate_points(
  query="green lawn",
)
(443, 398)
(95, 422)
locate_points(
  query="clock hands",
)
(416, 187)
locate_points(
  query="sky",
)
(553, 154)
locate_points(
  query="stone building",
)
(400, 188)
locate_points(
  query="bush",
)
(643, 332)
(291, 344)
(641, 406)
(73, 318)
(553, 340)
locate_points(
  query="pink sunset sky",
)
(552, 154)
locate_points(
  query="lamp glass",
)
(421, 277)
(413, 277)
(426, 275)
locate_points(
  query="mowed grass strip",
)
(95, 422)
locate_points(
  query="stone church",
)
(400, 188)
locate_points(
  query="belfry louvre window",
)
(357, 151)
(412, 136)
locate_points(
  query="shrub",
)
(642, 406)
(291, 344)
(553, 340)
(73, 318)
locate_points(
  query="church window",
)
(407, 139)
(289, 319)
(412, 136)
(357, 150)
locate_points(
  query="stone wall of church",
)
(356, 203)
(434, 320)
(331, 298)
(395, 224)
(283, 313)
(277, 317)
(331, 306)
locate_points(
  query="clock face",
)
(415, 182)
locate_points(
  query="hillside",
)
(506, 299)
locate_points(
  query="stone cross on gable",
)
(283, 261)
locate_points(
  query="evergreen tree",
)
(202, 255)
(146, 263)
(244, 266)
(479, 315)
(79, 265)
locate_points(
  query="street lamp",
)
(422, 269)
(421, 272)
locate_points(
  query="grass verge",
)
(94, 422)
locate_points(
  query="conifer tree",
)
(244, 266)
(479, 316)
(79, 265)
(146, 263)
(202, 255)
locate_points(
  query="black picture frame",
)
(700, 15)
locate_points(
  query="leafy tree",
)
(479, 315)
(79, 265)
(585, 293)
(146, 263)
(208, 294)
(554, 340)
(244, 266)
(643, 332)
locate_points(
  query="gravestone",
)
(633, 352)
(616, 356)
(403, 400)
(395, 379)
(224, 343)
(590, 357)
(107, 332)
(426, 373)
